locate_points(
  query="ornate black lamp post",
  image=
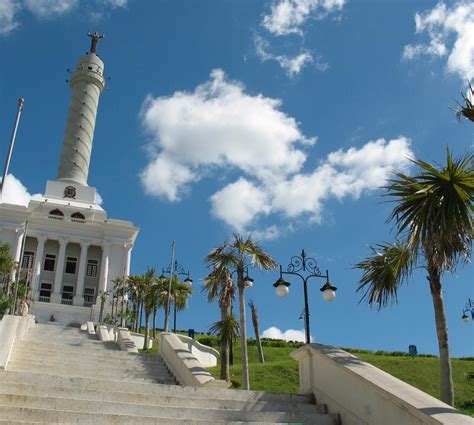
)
(175, 269)
(469, 308)
(304, 267)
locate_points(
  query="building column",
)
(104, 269)
(79, 297)
(126, 259)
(17, 252)
(35, 281)
(58, 276)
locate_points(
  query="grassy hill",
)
(280, 372)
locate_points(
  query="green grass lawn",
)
(280, 373)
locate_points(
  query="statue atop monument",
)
(95, 37)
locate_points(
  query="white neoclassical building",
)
(72, 250)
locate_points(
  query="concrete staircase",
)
(62, 375)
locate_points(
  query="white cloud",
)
(343, 174)
(287, 16)
(167, 178)
(219, 128)
(291, 65)
(8, 12)
(218, 125)
(450, 32)
(238, 203)
(115, 3)
(288, 335)
(13, 192)
(98, 198)
(50, 8)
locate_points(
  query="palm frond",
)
(384, 272)
(435, 209)
(228, 330)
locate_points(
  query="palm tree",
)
(219, 285)
(228, 330)
(150, 286)
(237, 255)
(466, 110)
(256, 328)
(179, 295)
(120, 284)
(7, 265)
(136, 288)
(433, 215)
(103, 298)
(160, 289)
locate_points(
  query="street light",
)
(177, 269)
(297, 265)
(469, 308)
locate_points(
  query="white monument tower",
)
(72, 250)
(87, 83)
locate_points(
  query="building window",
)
(78, 217)
(88, 296)
(68, 293)
(71, 265)
(49, 262)
(45, 292)
(56, 214)
(27, 262)
(91, 270)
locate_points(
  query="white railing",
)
(78, 220)
(67, 219)
(66, 302)
(43, 299)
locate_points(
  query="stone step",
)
(89, 363)
(62, 341)
(11, 414)
(136, 387)
(66, 343)
(158, 400)
(128, 376)
(92, 384)
(102, 350)
(99, 356)
(106, 371)
(183, 412)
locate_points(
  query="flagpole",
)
(21, 102)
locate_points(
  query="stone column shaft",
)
(104, 269)
(58, 277)
(126, 261)
(35, 281)
(17, 251)
(79, 297)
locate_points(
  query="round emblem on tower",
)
(69, 192)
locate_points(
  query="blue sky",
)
(281, 118)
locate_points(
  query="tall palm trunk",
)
(243, 332)
(256, 329)
(140, 314)
(446, 378)
(154, 321)
(101, 313)
(224, 348)
(147, 328)
(166, 325)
